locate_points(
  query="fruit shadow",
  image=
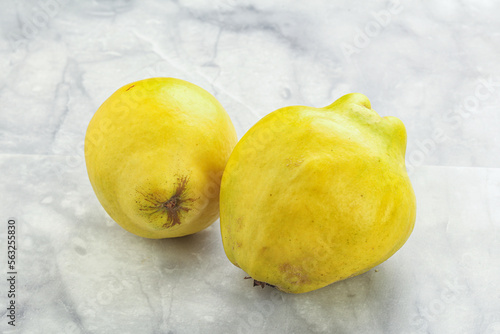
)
(365, 297)
(188, 253)
(372, 295)
(175, 257)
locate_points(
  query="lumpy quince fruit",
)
(155, 151)
(311, 196)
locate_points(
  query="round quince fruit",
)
(155, 151)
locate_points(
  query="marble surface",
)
(434, 65)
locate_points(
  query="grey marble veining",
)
(433, 65)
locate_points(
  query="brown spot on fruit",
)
(129, 88)
(172, 207)
(294, 274)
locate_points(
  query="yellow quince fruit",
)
(155, 151)
(311, 196)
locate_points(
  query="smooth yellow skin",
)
(155, 144)
(311, 196)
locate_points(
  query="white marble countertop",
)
(435, 66)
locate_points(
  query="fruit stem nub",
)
(260, 283)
